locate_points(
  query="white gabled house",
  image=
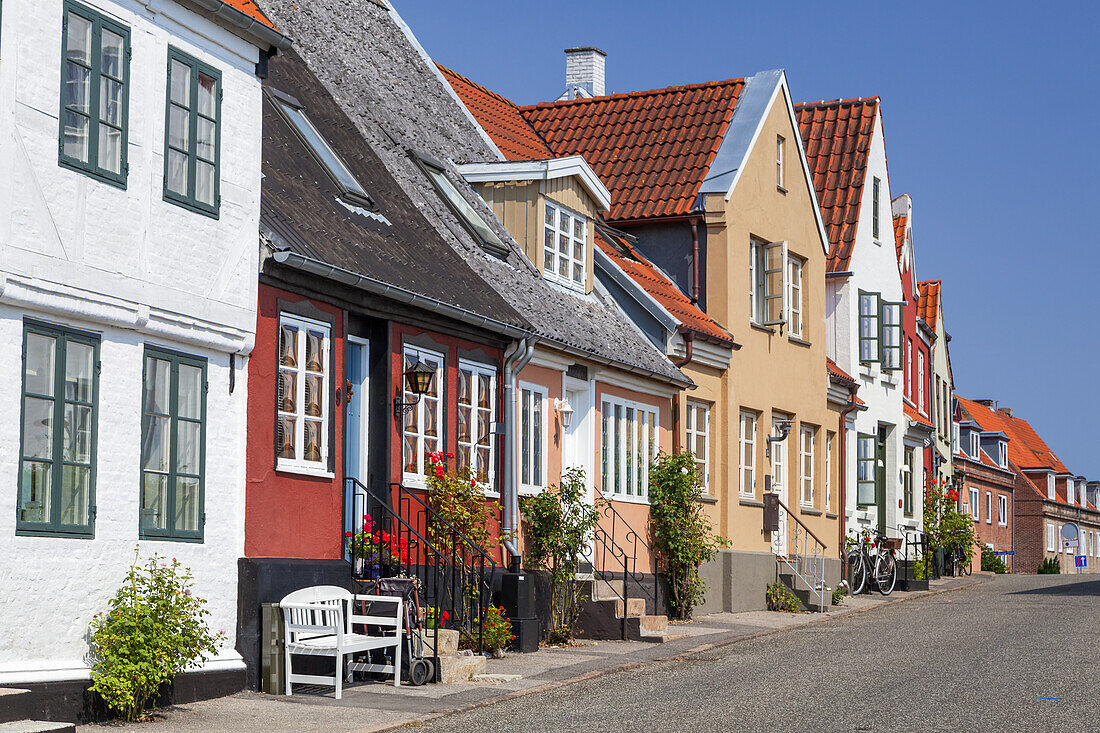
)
(130, 138)
(865, 306)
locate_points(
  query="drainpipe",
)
(842, 430)
(694, 261)
(515, 359)
(689, 352)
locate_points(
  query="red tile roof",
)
(652, 149)
(658, 285)
(928, 301)
(249, 8)
(899, 234)
(833, 370)
(1025, 448)
(837, 138)
(500, 118)
(912, 413)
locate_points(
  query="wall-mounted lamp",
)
(418, 380)
(784, 429)
(565, 412)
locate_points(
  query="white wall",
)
(137, 270)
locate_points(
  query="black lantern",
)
(418, 380)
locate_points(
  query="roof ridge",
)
(482, 87)
(930, 282)
(837, 102)
(634, 94)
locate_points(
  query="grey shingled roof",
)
(398, 101)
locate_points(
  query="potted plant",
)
(374, 551)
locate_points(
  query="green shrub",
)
(920, 570)
(992, 563)
(682, 534)
(780, 598)
(497, 630)
(153, 631)
(838, 593)
(1050, 566)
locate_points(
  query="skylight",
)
(324, 152)
(462, 207)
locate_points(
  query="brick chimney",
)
(985, 403)
(1005, 410)
(584, 72)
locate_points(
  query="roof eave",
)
(540, 170)
(242, 24)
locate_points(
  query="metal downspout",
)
(843, 430)
(689, 352)
(695, 261)
(514, 362)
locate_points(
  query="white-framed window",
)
(698, 439)
(809, 435)
(768, 288)
(1052, 543)
(829, 471)
(794, 297)
(975, 445)
(1070, 494)
(533, 399)
(565, 236)
(779, 461)
(301, 433)
(1002, 510)
(1050, 486)
(779, 160)
(909, 368)
(921, 379)
(477, 411)
(422, 430)
(954, 437)
(988, 507)
(747, 453)
(865, 470)
(974, 499)
(628, 445)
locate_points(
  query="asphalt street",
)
(1013, 653)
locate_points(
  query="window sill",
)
(707, 499)
(799, 341)
(831, 515)
(809, 510)
(183, 203)
(55, 533)
(781, 190)
(758, 327)
(119, 183)
(304, 470)
(749, 501)
(529, 490)
(165, 538)
(624, 499)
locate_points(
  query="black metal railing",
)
(634, 545)
(614, 554)
(407, 538)
(915, 548)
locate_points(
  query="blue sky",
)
(983, 104)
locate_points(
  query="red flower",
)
(385, 536)
(439, 471)
(445, 616)
(349, 533)
(450, 455)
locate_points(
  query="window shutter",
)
(776, 277)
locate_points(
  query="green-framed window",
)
(869, 329)
(58, 436)
(875, 191)
(890, 338)
(192, 134)
(907, 483)
(95, 90)
(865, 469)
(173, 446)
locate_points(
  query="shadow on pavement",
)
(1081, 588)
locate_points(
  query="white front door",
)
(576, 442)
(779, 487)
(355, 430)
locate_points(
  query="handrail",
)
(405, 493)
(619, 555)
(634, 538)
(801, 523)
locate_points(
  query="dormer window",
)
(1002, 454)
(565, 236)
(974, 445)
(341, 175)
(1070, 494)
(1050, 486)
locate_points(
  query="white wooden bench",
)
(320, 621)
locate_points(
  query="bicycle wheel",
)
(886, 573)
(857, 572)
(964, 565)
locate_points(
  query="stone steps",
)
(461, 667)
(803, 592)
(13, 702)
(36, 726)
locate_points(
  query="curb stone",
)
(627, 666)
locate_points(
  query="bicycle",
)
(960, 565)
(881, 564)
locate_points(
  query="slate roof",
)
(837, 138)
(928, 302)
(249, 8)
(398, 100)
(299, 209)
(499, 117)
(652, 149)
(631, 261)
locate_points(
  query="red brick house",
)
(1046, 495)
(985, 478)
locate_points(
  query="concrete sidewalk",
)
(377, 706)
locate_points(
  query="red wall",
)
(286, 514)
(910, 333)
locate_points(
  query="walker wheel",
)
(420, 671)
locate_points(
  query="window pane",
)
(156, 443)
(205, 137)
(35, 491)
(288, 346)
(312, 441)
(464, 425)
(39, 374)
(314, 351)
(204, 183)
(177, 172)
(408, 453)
(431, 417)
(188, 445)
(111, 50)
(314, 387)
(110, 149)
(78, 39)
(525, 437)
(154, 501)
(484, 387)
(207, 86)
(76, 136)
(178, 128)
(38, 428)
(288, 391)
(181, 83)
(110, 101)
(285, 437)
(536, 441)
(190, 392)
(187, 505)
(156, 385)
(75, 481)
(463, 460)
(78, 87)
(548, 249)
(77, 447)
